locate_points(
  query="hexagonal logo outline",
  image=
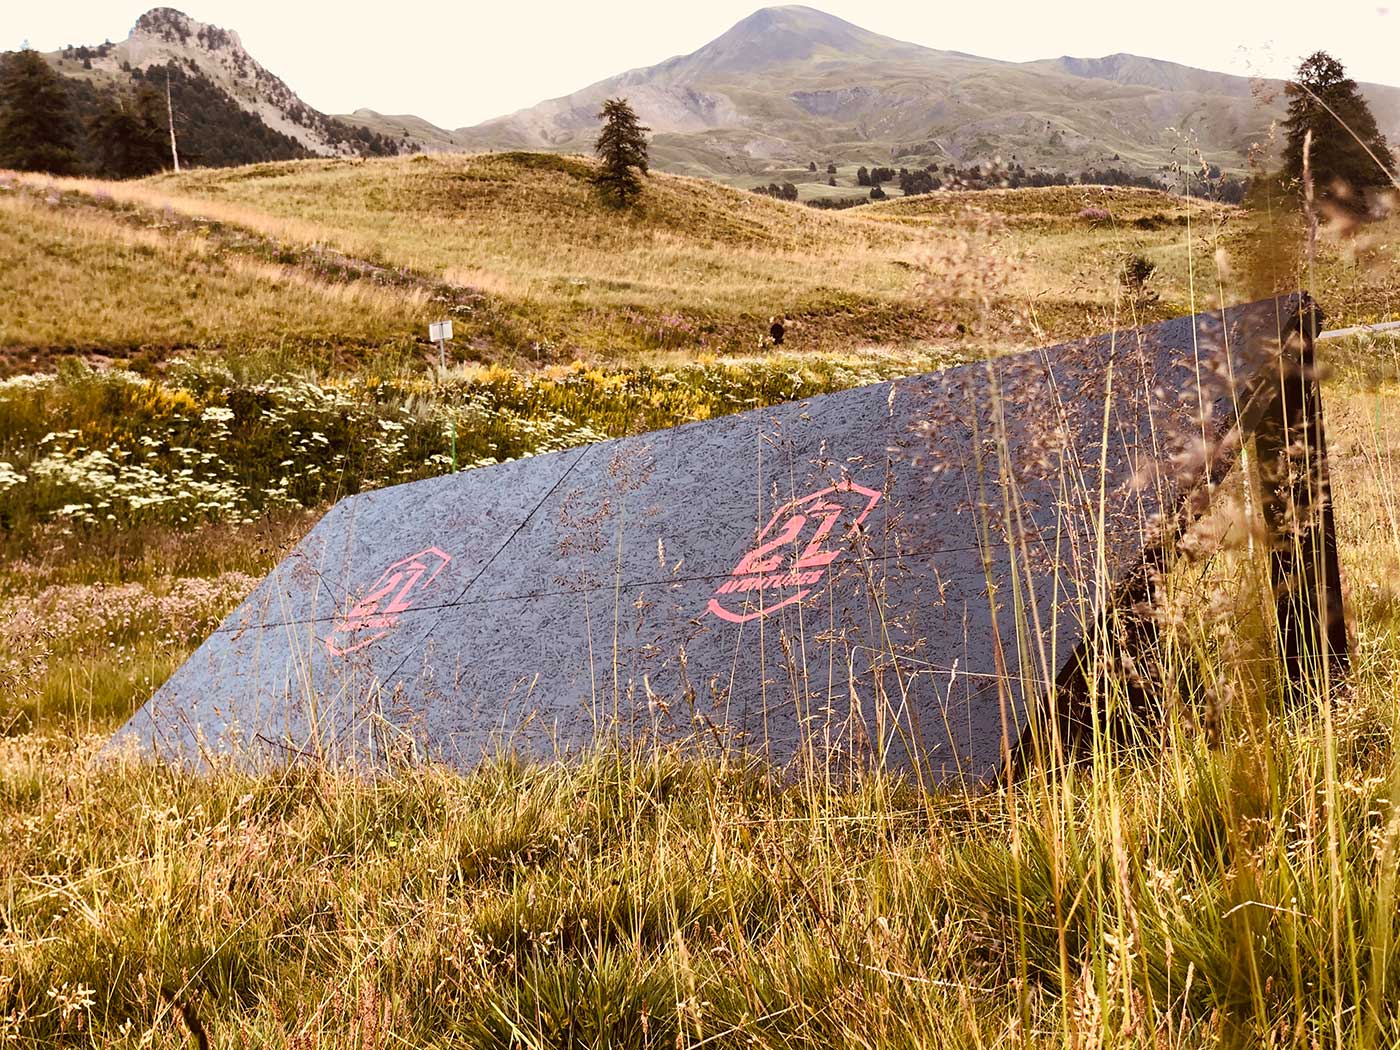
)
(756, 570)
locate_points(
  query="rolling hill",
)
(518, 249)
(85, 276)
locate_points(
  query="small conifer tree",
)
(622, 149)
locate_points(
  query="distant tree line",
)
(837, 203)
(1213, 184)
(874, 176)
(120, 129)
(85, 55)
(785, 191)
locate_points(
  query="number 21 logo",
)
(781, 568)
(389, 597)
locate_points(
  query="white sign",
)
(440, 331)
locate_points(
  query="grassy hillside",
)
(698, 267)
(77, 280)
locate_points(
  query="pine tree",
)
(1349, 154)
(36, 129)
(128, 135)
(622, 148)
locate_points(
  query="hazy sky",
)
(460, 63)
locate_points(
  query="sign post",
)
(440, 332)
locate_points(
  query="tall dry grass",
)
(1230, 888)
(83, 281)
(1232, 884)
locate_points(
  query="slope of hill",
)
(405, 127)
(533, 269)
(82, 276)
(791, 85)
(699, 265)
(699, 268)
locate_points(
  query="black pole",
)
(1291, 448)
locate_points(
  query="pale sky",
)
(463, 62)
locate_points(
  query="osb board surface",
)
(891, 573)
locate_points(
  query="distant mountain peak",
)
(166, 38)
(159, 19)
(179, 29)
(794, 15)
(787, 35)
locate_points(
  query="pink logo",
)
(793, 552)
(393, 594)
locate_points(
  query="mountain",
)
(776, 37)
(229, 109)
(1148, 72)
(413, 131)
(791, 85)
(785, 88)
